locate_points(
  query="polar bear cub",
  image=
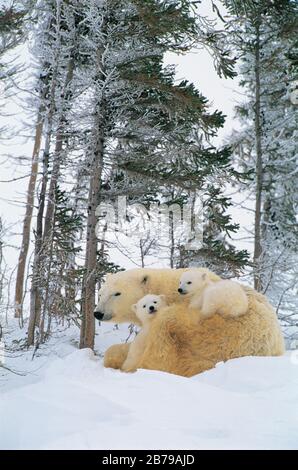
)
(224, 297)
(145, 309)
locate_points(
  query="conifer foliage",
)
(265, 37)
(113, 120)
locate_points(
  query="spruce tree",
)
(115, 121)
(11, 31)
(145, 124)
(267, 144)
(11, 35)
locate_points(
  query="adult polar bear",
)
(177, 342)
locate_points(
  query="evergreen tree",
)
(217, 252)
(11, 34)
(62, 278)
(43, 105)
(11, 31)
(145, 124)
(267, 144)
(114, 121)
(56, 41)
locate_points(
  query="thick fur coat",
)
(177, 341)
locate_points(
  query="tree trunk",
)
(36, 274)
(89, 282)
(172, 239)
(46, 299)
(142, 253)
(19, 290)
(43, 235)
(259, 170)
(57, 155)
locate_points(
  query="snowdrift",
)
(246, 403)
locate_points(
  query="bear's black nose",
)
(151, 308)
(98, 315)
(180, 290)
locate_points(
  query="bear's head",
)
(146, 308)
(117, 295)
(195, 280)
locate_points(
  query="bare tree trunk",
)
(43, 236)
(172, 239)
(142, 253)
(36, 270)
(259, 170)
(19, 290)
(35, 301)
(46, 309)
(89, 282)
(57, 154)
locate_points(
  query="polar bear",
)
(177, 342)
(224, 297)
(123, 289)
(145, 309)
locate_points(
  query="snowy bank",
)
(246, 403)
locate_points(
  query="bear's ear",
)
(144, 279)
(134, 308)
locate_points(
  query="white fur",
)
(145, 309)
(147, 306)
(223, 297)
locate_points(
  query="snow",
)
(68, 400)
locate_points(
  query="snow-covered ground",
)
(68, 400)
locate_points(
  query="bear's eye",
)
(189, 282)
(117, 293)
(154, 301)
(144, 306)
